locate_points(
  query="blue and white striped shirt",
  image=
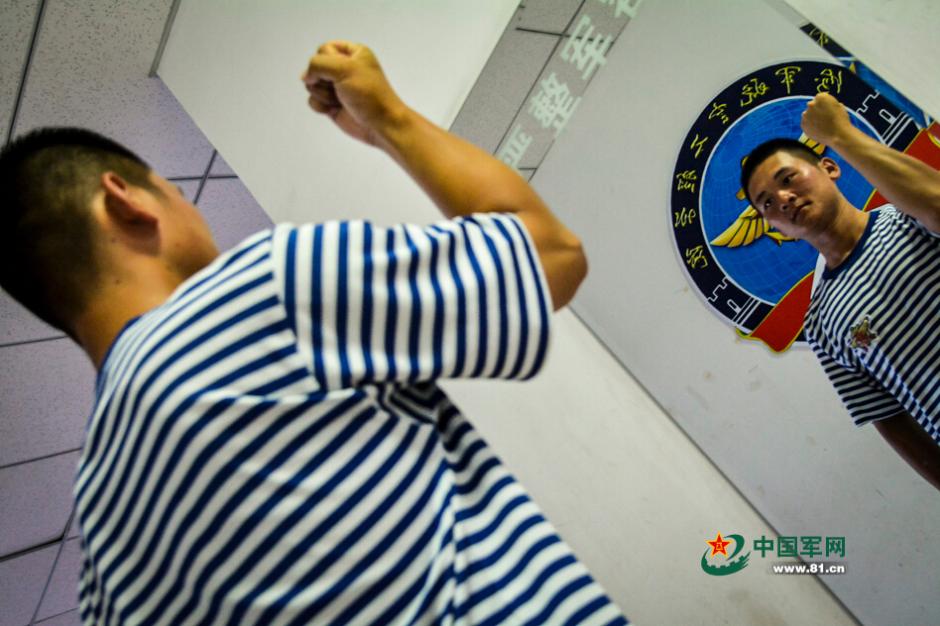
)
(874, 322)
(268, 446)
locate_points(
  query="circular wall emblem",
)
(753, 277)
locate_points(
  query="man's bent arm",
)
(462, 179)
(344, 81)
(911, 185)
(915, 446)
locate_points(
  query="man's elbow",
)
(570, 270)
(579, 264)
(932, 221)
(929, 214)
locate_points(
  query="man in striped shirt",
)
(268, 445)
(874, 317)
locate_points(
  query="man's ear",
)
(124, 204)
(831, 168)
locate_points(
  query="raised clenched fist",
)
(345, 81)
(825, 119)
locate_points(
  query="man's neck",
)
(838, 241)
(116, 303)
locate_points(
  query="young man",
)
(874, 318)
(267, 444)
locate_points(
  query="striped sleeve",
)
(460, 298)
(864, 399)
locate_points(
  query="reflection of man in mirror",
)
(874, 318)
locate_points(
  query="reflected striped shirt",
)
(269, 447)
(874, 322)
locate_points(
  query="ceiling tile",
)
(220, 167)
(21, 583)
(502, 86)
(69, 618)
(73, 527)
(62, 593)
(548, 15)
(90, 69)
(37, 499)
(16, 29)
(190, 187)
(46, 395)
(231, 211)
(17, 324)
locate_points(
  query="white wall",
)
(244, 91)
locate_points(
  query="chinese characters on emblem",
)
(752, 90)
(821, 37)
(718, 112)
(695, 257)
(786, 75)
(829, 80)
(697, 144)
(684, 217)
(685, 181)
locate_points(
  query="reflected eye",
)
(786, 179)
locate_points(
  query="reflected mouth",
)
(798, 210)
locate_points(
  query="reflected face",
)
(188, 245)
(796, 197)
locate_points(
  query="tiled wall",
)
(85, 63)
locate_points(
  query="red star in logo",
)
(718, 545)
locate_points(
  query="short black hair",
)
(48, 178)
(769, 148)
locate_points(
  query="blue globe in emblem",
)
(764, 269)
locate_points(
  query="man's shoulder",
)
(890, 218)
(245, 263)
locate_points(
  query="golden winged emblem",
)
(751, 225)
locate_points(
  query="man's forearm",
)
(913, 444)
(459, 177)
(911, 185)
